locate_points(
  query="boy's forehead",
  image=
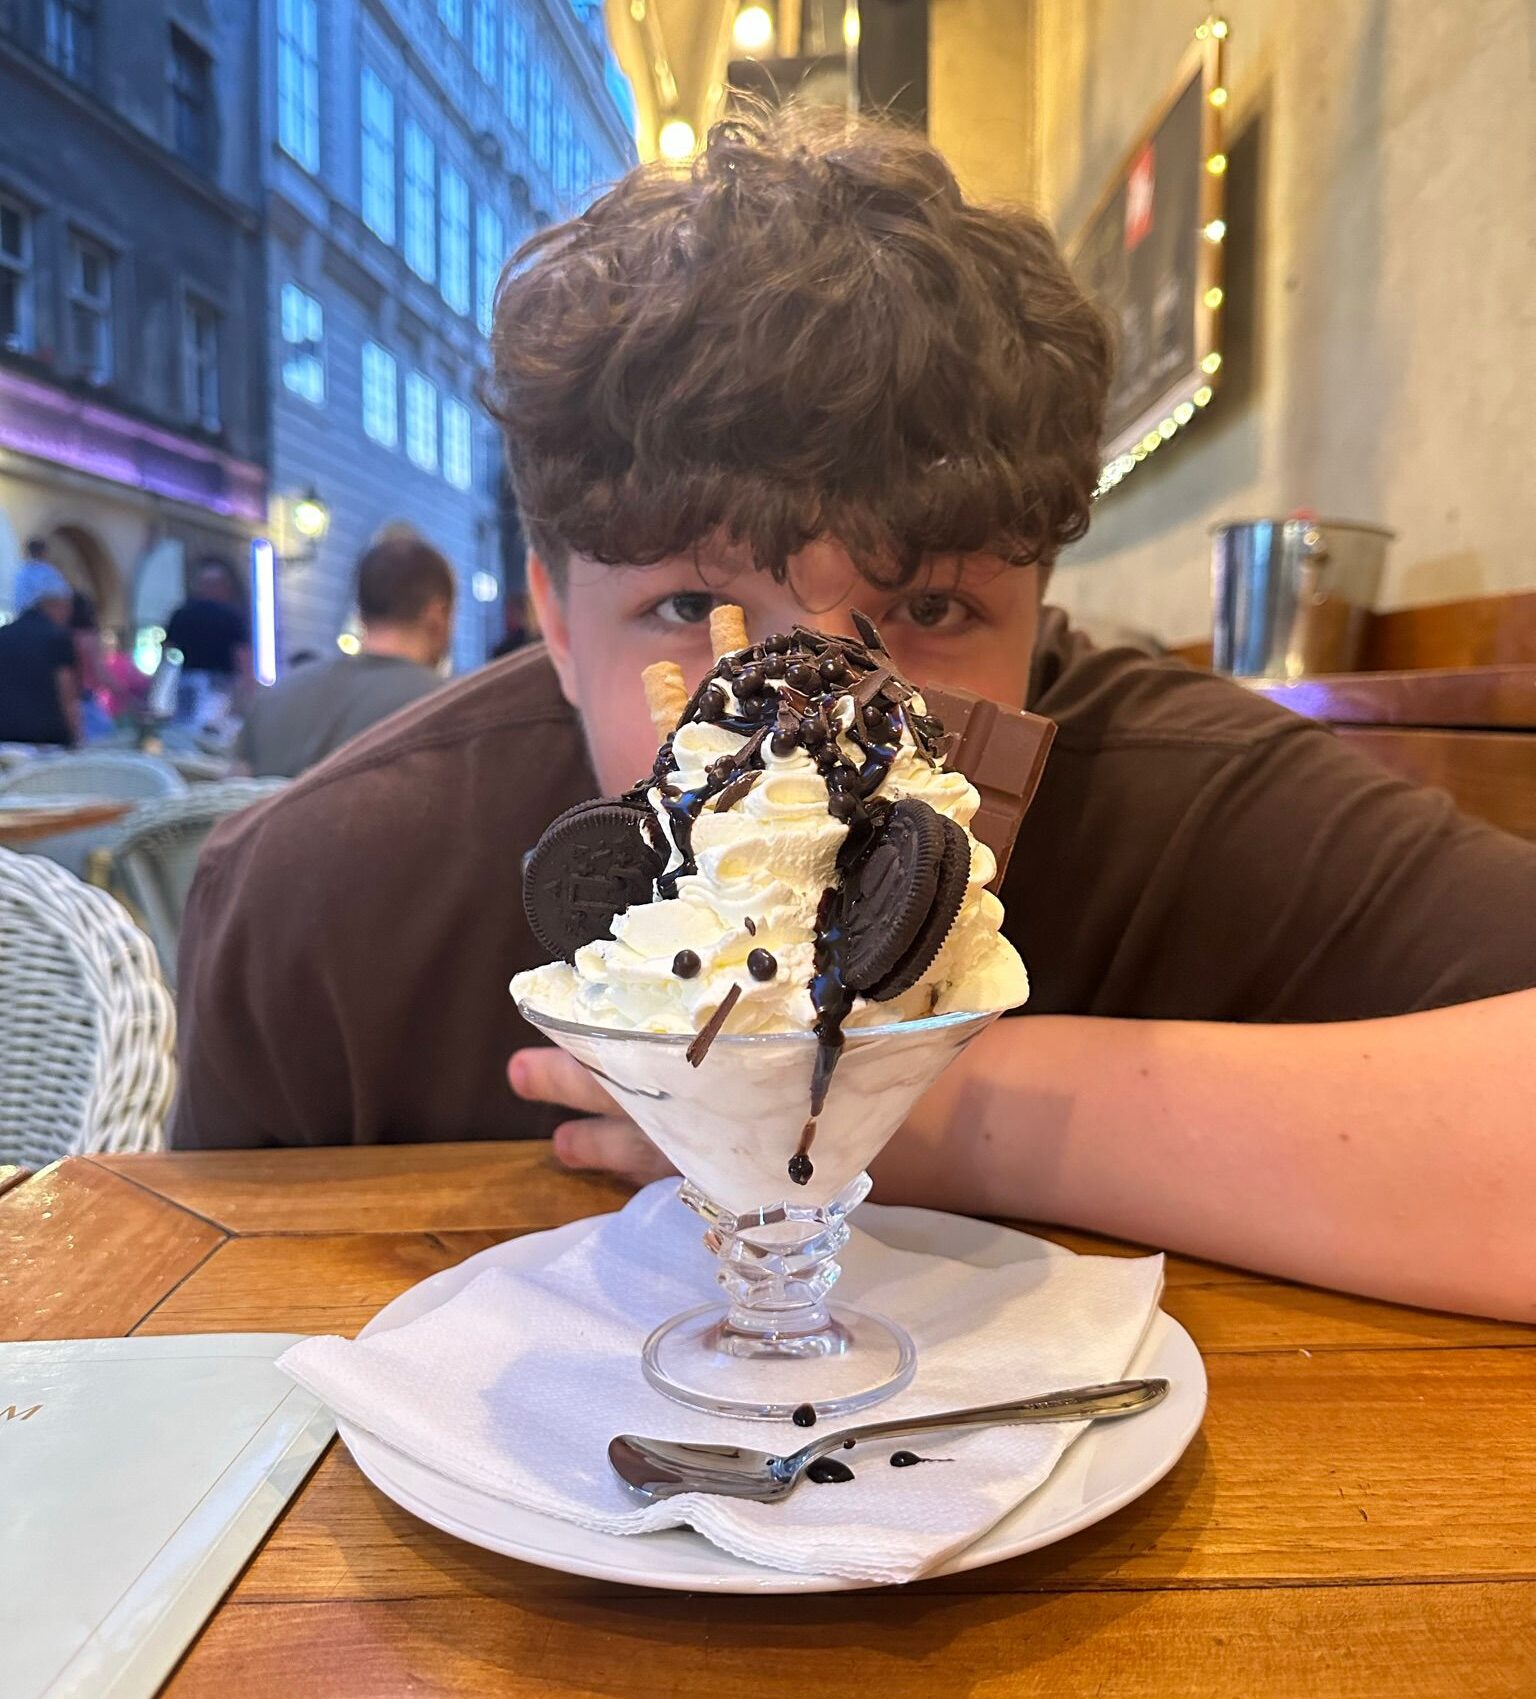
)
(823, 572)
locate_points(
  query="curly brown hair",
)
(810, 332)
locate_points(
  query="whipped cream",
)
(762, 866)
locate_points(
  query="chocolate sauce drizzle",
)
(765, 703)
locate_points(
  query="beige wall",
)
(1382, 302)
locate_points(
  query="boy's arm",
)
(1394, 1157)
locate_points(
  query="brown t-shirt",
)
(1195, 852)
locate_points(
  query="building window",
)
(303, 345)
(421, 421)
(514, 69)
(381, 409)
(543, 116)
(452, 14)
(484, 45)
(378, 157)
(90, 309)
(191, 100)
(15, 277)
(298, 81)
(420, 201)
(490, 251)
(69, 42)
(458, 458)
(200, 363)
(455, 241)
(565, 152)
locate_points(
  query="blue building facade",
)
(408, 148)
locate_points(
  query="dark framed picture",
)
(1151, 254)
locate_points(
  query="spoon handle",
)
(1075, 1404)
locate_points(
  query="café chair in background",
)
(120, 775)
(157, 849)
(87, 1026)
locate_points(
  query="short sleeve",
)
(1307, 884)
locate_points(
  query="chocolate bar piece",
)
(1002, 752)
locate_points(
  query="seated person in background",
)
(1282, 1010)
(405, 602)
(39, 682)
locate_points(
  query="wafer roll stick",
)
(727, 629)
(666, 695)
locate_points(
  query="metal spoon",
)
(663, 1468)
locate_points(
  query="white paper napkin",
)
(516, 1384)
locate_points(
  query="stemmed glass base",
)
(777, 1345)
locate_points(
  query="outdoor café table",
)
(1357, 1516)
(24, 823)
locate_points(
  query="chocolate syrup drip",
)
(826, 1470)
(908, 1459)
(803, 717)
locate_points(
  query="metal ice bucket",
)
(1292, 595)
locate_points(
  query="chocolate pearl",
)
(827, 757)
(878, 727)
(805, 1416)
(841, 806)
(800, 1171)
(762, 964)
(711, 704)
(775, 666)
(685, 964)
(813, 730)
(802, 676)
(833, 669)
(784, 743)
(750, 681)
(778, 644)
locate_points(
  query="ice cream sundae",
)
(769, 948)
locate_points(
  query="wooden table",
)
(24, 825)
(1354, 1519)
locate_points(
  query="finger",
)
(612, 1144)
(543, 1074)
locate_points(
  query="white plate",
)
(1109, 1465)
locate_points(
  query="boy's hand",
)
(611, 1141)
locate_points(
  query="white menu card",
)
(136, 1478)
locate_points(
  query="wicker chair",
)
(156, 854)
(122, 774)
(87, 1027)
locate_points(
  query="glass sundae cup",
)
(776, 1342)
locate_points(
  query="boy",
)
(1282, 1005)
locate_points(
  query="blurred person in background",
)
(96, 723)
(39, 678)
(213, 634)
(516, 634)
(405, 595)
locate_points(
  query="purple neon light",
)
(49, 424)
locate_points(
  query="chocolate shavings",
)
(699, 1049)
(736, 789)
(868, 630)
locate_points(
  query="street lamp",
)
(311, 517)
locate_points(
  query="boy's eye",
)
(932, 610)
(687, 607)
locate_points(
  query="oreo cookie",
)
(593, 862)
(889, 893)
(954, 875)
